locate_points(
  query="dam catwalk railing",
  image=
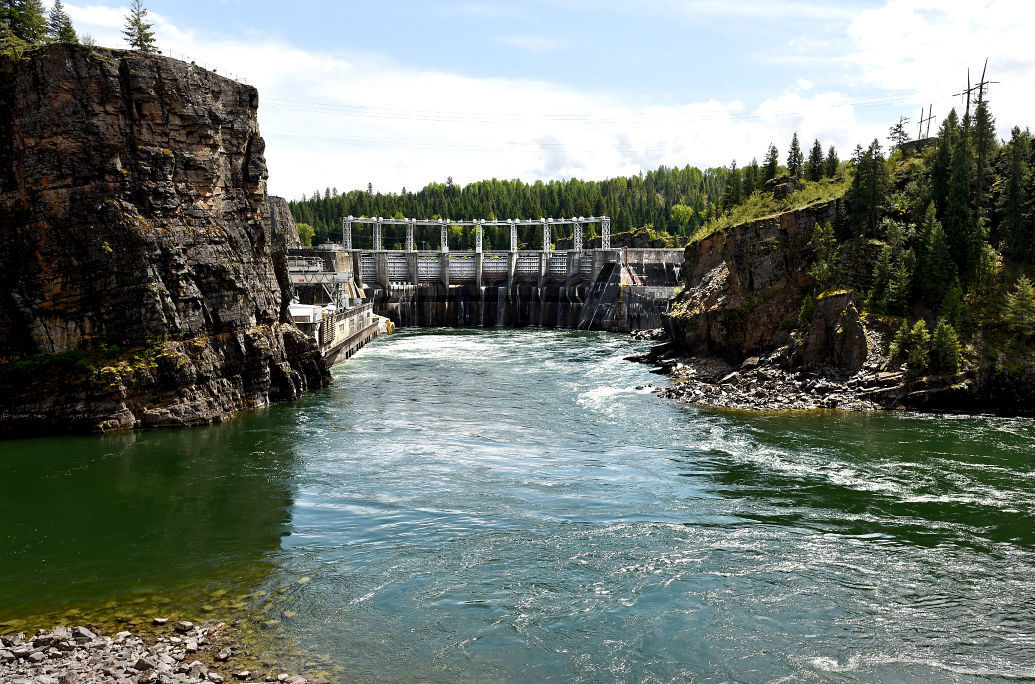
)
(410, 266)
(548, 225)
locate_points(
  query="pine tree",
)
(814, 166)
(25, 20)
(1015, 226)
(897, 134)
(883, 271)
(59, 25)
(951, 308)
(824, 247)
(772, 163)
(795, 159)
(941, 164)
(961, 226)
(936, 268)
(831, 163)
(806, 312)
(137, 31)
(731, 194)
(899, 346)
(1020, 308)
(865, 197)
(919, 345)
(752, 178)
(945, 347)
(985, 145)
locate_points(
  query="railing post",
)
(605, 232)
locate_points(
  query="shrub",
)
(919, 346)
(945, 347)
(808, 308)
(1020, 308)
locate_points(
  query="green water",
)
(506, 505)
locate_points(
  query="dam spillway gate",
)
(602, 288)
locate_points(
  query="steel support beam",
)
(346, 233)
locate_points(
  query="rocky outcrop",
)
(836, 335)
(283, 222)
(744, 286)
(141, 281)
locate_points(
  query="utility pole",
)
(979, 87)
(924, 120)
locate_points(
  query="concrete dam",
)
(606, 288)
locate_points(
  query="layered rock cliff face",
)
(744, 285)
(283, 222)
(141, 280)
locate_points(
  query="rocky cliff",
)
(283, 222)
(141, 280)
(744, 286)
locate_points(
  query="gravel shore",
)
(178, 652)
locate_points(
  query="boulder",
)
(836, 336)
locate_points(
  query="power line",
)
(385, 113)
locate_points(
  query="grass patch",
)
(762, 205)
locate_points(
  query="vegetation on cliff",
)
(952, 224)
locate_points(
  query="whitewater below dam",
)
(509, 505)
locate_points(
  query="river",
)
(507, 505)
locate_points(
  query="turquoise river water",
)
(505, 505)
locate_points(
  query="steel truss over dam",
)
(547, 224)
(409, 266)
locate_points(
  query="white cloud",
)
(926, 47)
(789, 10)
(344, 119)
(532, 43)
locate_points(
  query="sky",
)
(399, 94)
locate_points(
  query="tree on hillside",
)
(814, 166)
(831, 163)
(941, 163)
(59, 25)
(985, 144)
(795, 159)
(1015, 224)
(24, 20)
(752, 178)
(961, 225)
(935, 269)
(1020, 308)
(865, 198)
(731, 194)
(772, 163)
(945, 348)
(138, 31)
(897, 134)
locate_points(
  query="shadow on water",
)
(92, 518)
